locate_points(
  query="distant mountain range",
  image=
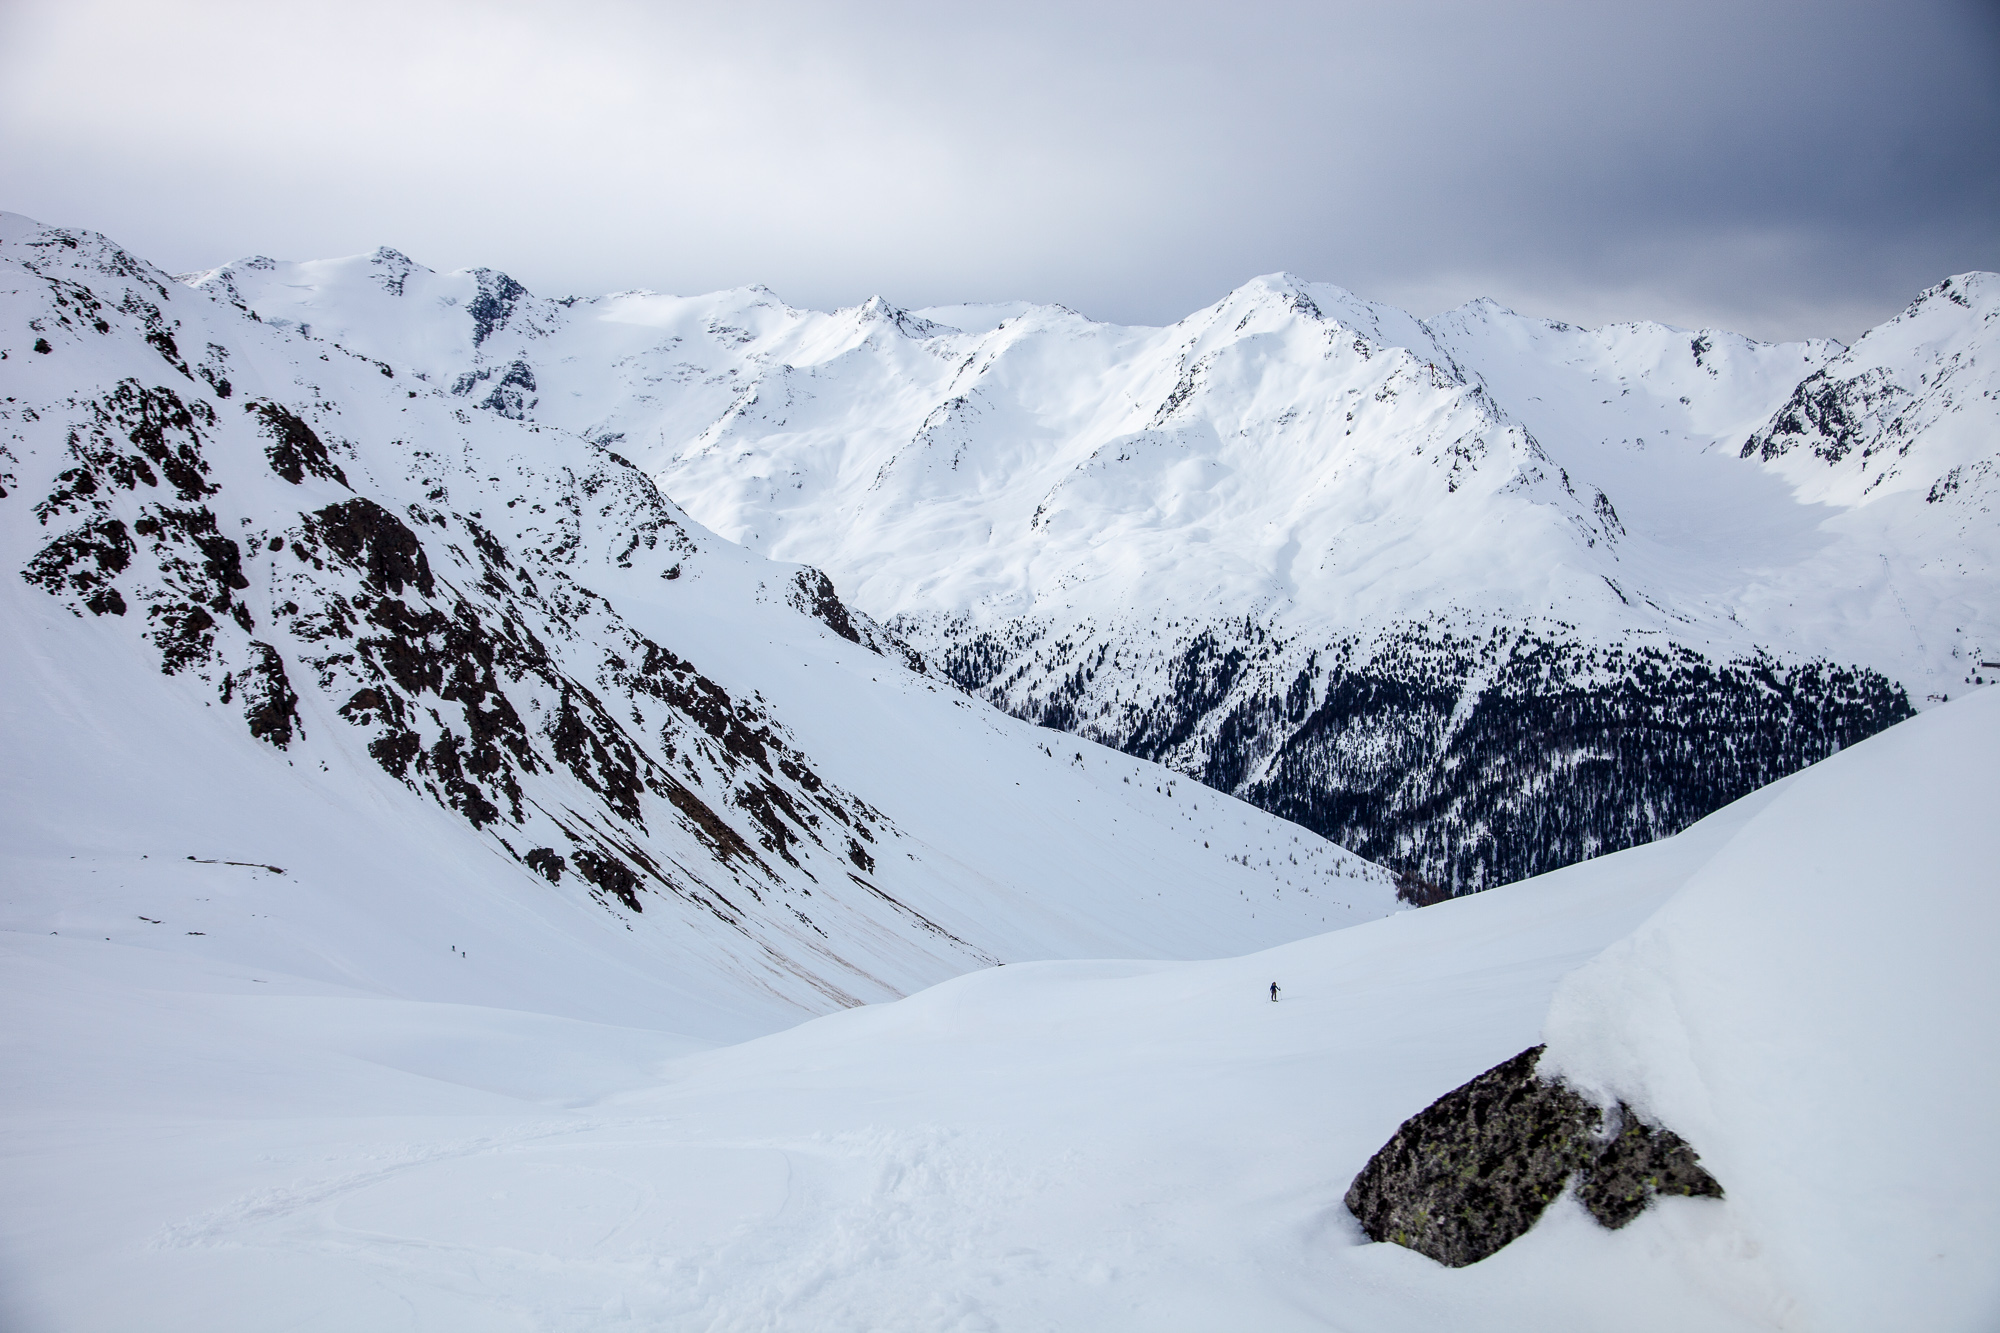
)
(467, 682)
(1477, 596)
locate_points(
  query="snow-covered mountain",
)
(406, 802)
(300, 651)
(1477, 595)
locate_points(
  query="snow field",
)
(1074, 1144)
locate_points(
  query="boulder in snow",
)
(1472, 1171)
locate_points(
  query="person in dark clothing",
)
(1274, 992)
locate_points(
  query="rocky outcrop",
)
(294, 448)
(1475, 1169)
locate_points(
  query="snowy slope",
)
(1816, 1008)
(1654, 415)
(1292, 450)
(871, 433)
(1304, 547)
(1797, 984)
(1900, 439)
(513, 727)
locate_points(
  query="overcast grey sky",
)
(1779, 168)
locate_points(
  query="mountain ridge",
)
(358, 576)
(1084, 522)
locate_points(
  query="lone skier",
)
(1274, 992)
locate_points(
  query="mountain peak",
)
(1972, 290)
(1483, 306)
(881, 310)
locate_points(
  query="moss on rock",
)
(1475, 1169)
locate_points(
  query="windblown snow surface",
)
(244, 1134)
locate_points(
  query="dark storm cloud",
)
(1780, 168)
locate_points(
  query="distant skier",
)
(1274, 992)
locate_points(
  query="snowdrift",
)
(1819, 1011)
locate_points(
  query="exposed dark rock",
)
(1832, 417)
(768, 804)
(446, 765)
(395, 751)
(727, 844)
(364, 533)
(610, 874)
(83, 562)
(476, 670)
(269, 705)
(453, 658)
(812, 592)
(219, 574)
(1639, 1161)
(591, 745)
(672, 680)
(163, 343)
(164, 429)
(494, 306)
(817, 599)
(1475, 1169)
(184, 634)
(295, 449)
(368, 706)
(510, 396)
(101, 466)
